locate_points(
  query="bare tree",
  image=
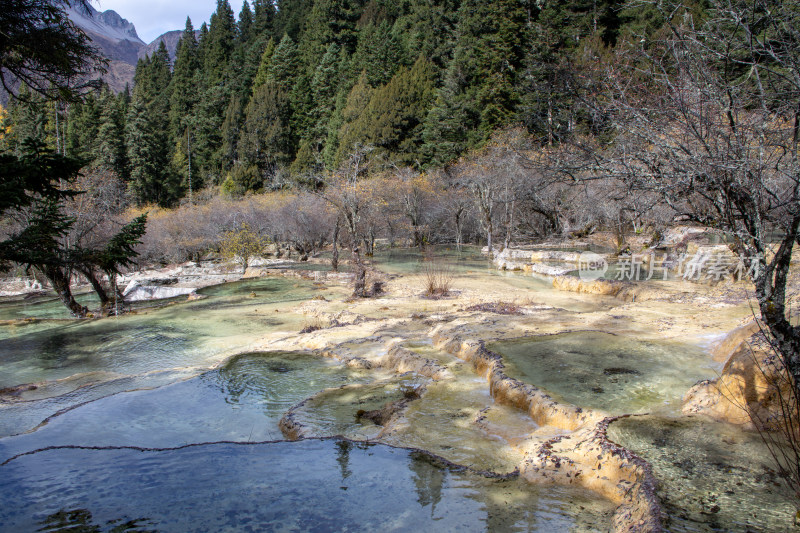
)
(305, 220)
(709, 119)
(455, 205)
(345, 191)
(418, 192)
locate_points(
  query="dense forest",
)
(287, 91)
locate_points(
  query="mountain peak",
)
(108, 24)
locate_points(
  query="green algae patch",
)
(612, 373)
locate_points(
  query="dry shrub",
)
(779, 425)
(438, 279)
(312, 324)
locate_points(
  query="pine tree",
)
(110, 151)
(334, 125)
(264, 18)
(262, 73)
(152, 80)
(245, 26)
(231, 130)
(147, 135)
(82, 128)
(151, 179)
(291, 16)
(27, 117)
(207, 122)
(38, 180)
(480, 87)
(266, 139)
(284, 64)
(379, 53)
(324, 85)
(566, 25)
(218, 45)
(356, 103)
(202, 44)
(393, 119)
(182, 90)
(554, 77)
(286, 72)
(451, 125)
(329, 21)
(426, 28)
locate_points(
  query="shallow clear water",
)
(470, 264)
(242, 401)
(713, 476)
(414, 260)
(143, 380)
(613, 373)
(189, 334)
(335, 412)
(50, 307)
(302, 486)
(45, 306)
(20, 416)
(457, 419)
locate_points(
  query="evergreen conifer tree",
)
(110, 151)
(324, 86)
(218, 45)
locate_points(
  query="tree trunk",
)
(459, 223)
(360, 279)
(369, 243)
(119, 299)
(60, 282)
(509, 224)
(417, 237)
(105, 301)
(335, 254)
(489, 231)
(771, 294)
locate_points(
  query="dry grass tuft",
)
(438, 279)
(312, 324)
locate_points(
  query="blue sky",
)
(153, 17)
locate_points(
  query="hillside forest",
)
(283, 95)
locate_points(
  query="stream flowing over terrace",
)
(396, 413)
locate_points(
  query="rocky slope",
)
(118, 41)
(170, 40)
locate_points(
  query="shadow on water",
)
(311, 485)
(115, 346)
(81, 521)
